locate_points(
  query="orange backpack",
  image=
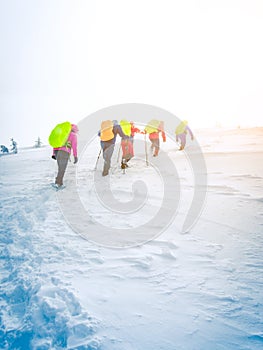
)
(106, 130)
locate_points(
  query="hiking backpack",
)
(152, 126)
(59, 135)
(106, 130)
(126, 127)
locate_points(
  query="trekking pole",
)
(97, 160)
(119, 151)
(146, 152)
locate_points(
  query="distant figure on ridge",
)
(13, 145)
(4, 149)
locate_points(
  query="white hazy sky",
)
(64, 59)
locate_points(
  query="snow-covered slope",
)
(198, 290)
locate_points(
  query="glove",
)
(75, 160)
(54, 157)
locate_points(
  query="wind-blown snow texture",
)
(201, 290)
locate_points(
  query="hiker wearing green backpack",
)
(181, 133)
(64, 140)
(154, 128)
(126, 143)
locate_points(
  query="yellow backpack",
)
(106, 130)
(181, 127)
(126, 127)
(152, 126)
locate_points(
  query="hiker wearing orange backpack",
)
(108, 133)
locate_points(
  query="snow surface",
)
(199, 290)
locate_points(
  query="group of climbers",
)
(108, 132)
(126, 130)
(63, 139)
(13, 149)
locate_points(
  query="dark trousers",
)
(62, 160)
(107, 148)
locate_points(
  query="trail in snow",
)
(39, 254)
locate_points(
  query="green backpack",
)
(152, 126)
(126, 127)
(59, 135)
